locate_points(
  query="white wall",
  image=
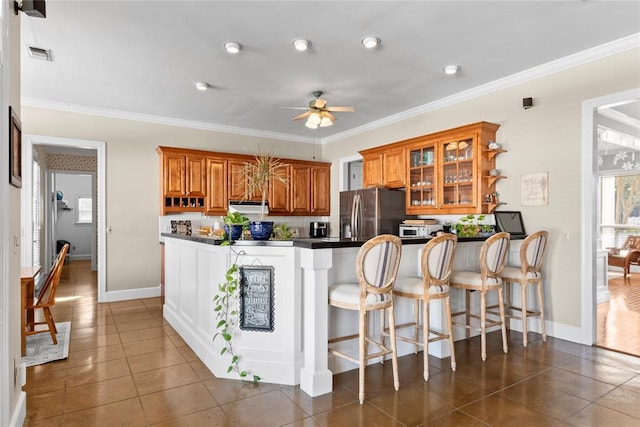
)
(66, 228)
(545, 138)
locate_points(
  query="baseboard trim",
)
(128, 294)
(20, 411)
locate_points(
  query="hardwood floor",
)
(128, 367)
(619, 319)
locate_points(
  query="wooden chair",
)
(47, 297)
(493, 254)
(377, 265)
(528, 272)
(436, 261)
(626, 255)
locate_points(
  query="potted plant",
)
(234, 224)
(258, 175)
(468, 226)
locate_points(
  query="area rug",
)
(40, 348)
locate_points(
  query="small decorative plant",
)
(226, 301)
(234, 224)
(468, 226)
(283, 232)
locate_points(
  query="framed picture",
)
(15, 149)
(535, 189)
(257, 305)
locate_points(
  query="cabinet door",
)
(216, 201)
(372, 168)
(458, 174)
(237, 185)
(301, 189)
(175, 175)
(422, 191)
(394, 171)
(196, 176)
(280, 193)
(320, 191)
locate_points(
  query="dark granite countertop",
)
(317, 243)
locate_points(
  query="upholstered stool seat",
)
(435, 264)
(377, 265)
(493, 254)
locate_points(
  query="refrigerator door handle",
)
(355, 223)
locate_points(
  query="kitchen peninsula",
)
(294, 350)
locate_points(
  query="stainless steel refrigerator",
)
(369, 212)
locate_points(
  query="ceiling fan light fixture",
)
(451, 69)
(202, 86)
(370, 42)
(301, 44)
(326, 121)
(232, 47)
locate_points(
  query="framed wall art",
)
(257, 305)
(535, 189)
(15, 149)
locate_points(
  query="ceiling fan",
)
(318, 114)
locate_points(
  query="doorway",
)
(598, 116)
(73, 147)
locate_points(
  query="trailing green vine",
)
(226, 301)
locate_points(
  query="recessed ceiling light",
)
(301, 44)
(202, 85)
(370, 42)
(233, 47)
(451, 69)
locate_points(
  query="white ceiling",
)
(142, 58)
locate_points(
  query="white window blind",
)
(84, 210)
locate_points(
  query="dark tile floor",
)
(127, 367)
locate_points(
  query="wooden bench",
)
(626, 255)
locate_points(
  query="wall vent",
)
(39, 53)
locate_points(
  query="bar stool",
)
(377, 265)
(436, 261)
(532, 254)
(493, 254)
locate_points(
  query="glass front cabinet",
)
(449, 172)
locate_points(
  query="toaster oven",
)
(419, 230)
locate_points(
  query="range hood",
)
(247, 207)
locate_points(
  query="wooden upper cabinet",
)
(217, 201)
(280, 193)
(394, 168)
(196, 176)
(301, 189)
(175, 182)
(384, 167)
(320, 190)
(205, 181)
(372, 170)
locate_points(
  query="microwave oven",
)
(419, 230)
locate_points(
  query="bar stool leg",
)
(447, 308)
(416, 319)
(483, 324)
(505, 347)
(523, 287)
(543, 326)
(394, 349)
(425, 337)
(467, 304)
(362, 344)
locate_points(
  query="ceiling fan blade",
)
(303, 115)
(294, 108)
(341, 109)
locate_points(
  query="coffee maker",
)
(318, 229)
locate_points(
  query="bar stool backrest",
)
(493, 256)
(377, 265)
(437, 259)
(532, 253)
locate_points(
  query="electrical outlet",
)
(566, 235)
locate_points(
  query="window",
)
(84, 210)
(37, 221)
(619, 208)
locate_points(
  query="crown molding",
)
(586, 56)
(148, 118)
